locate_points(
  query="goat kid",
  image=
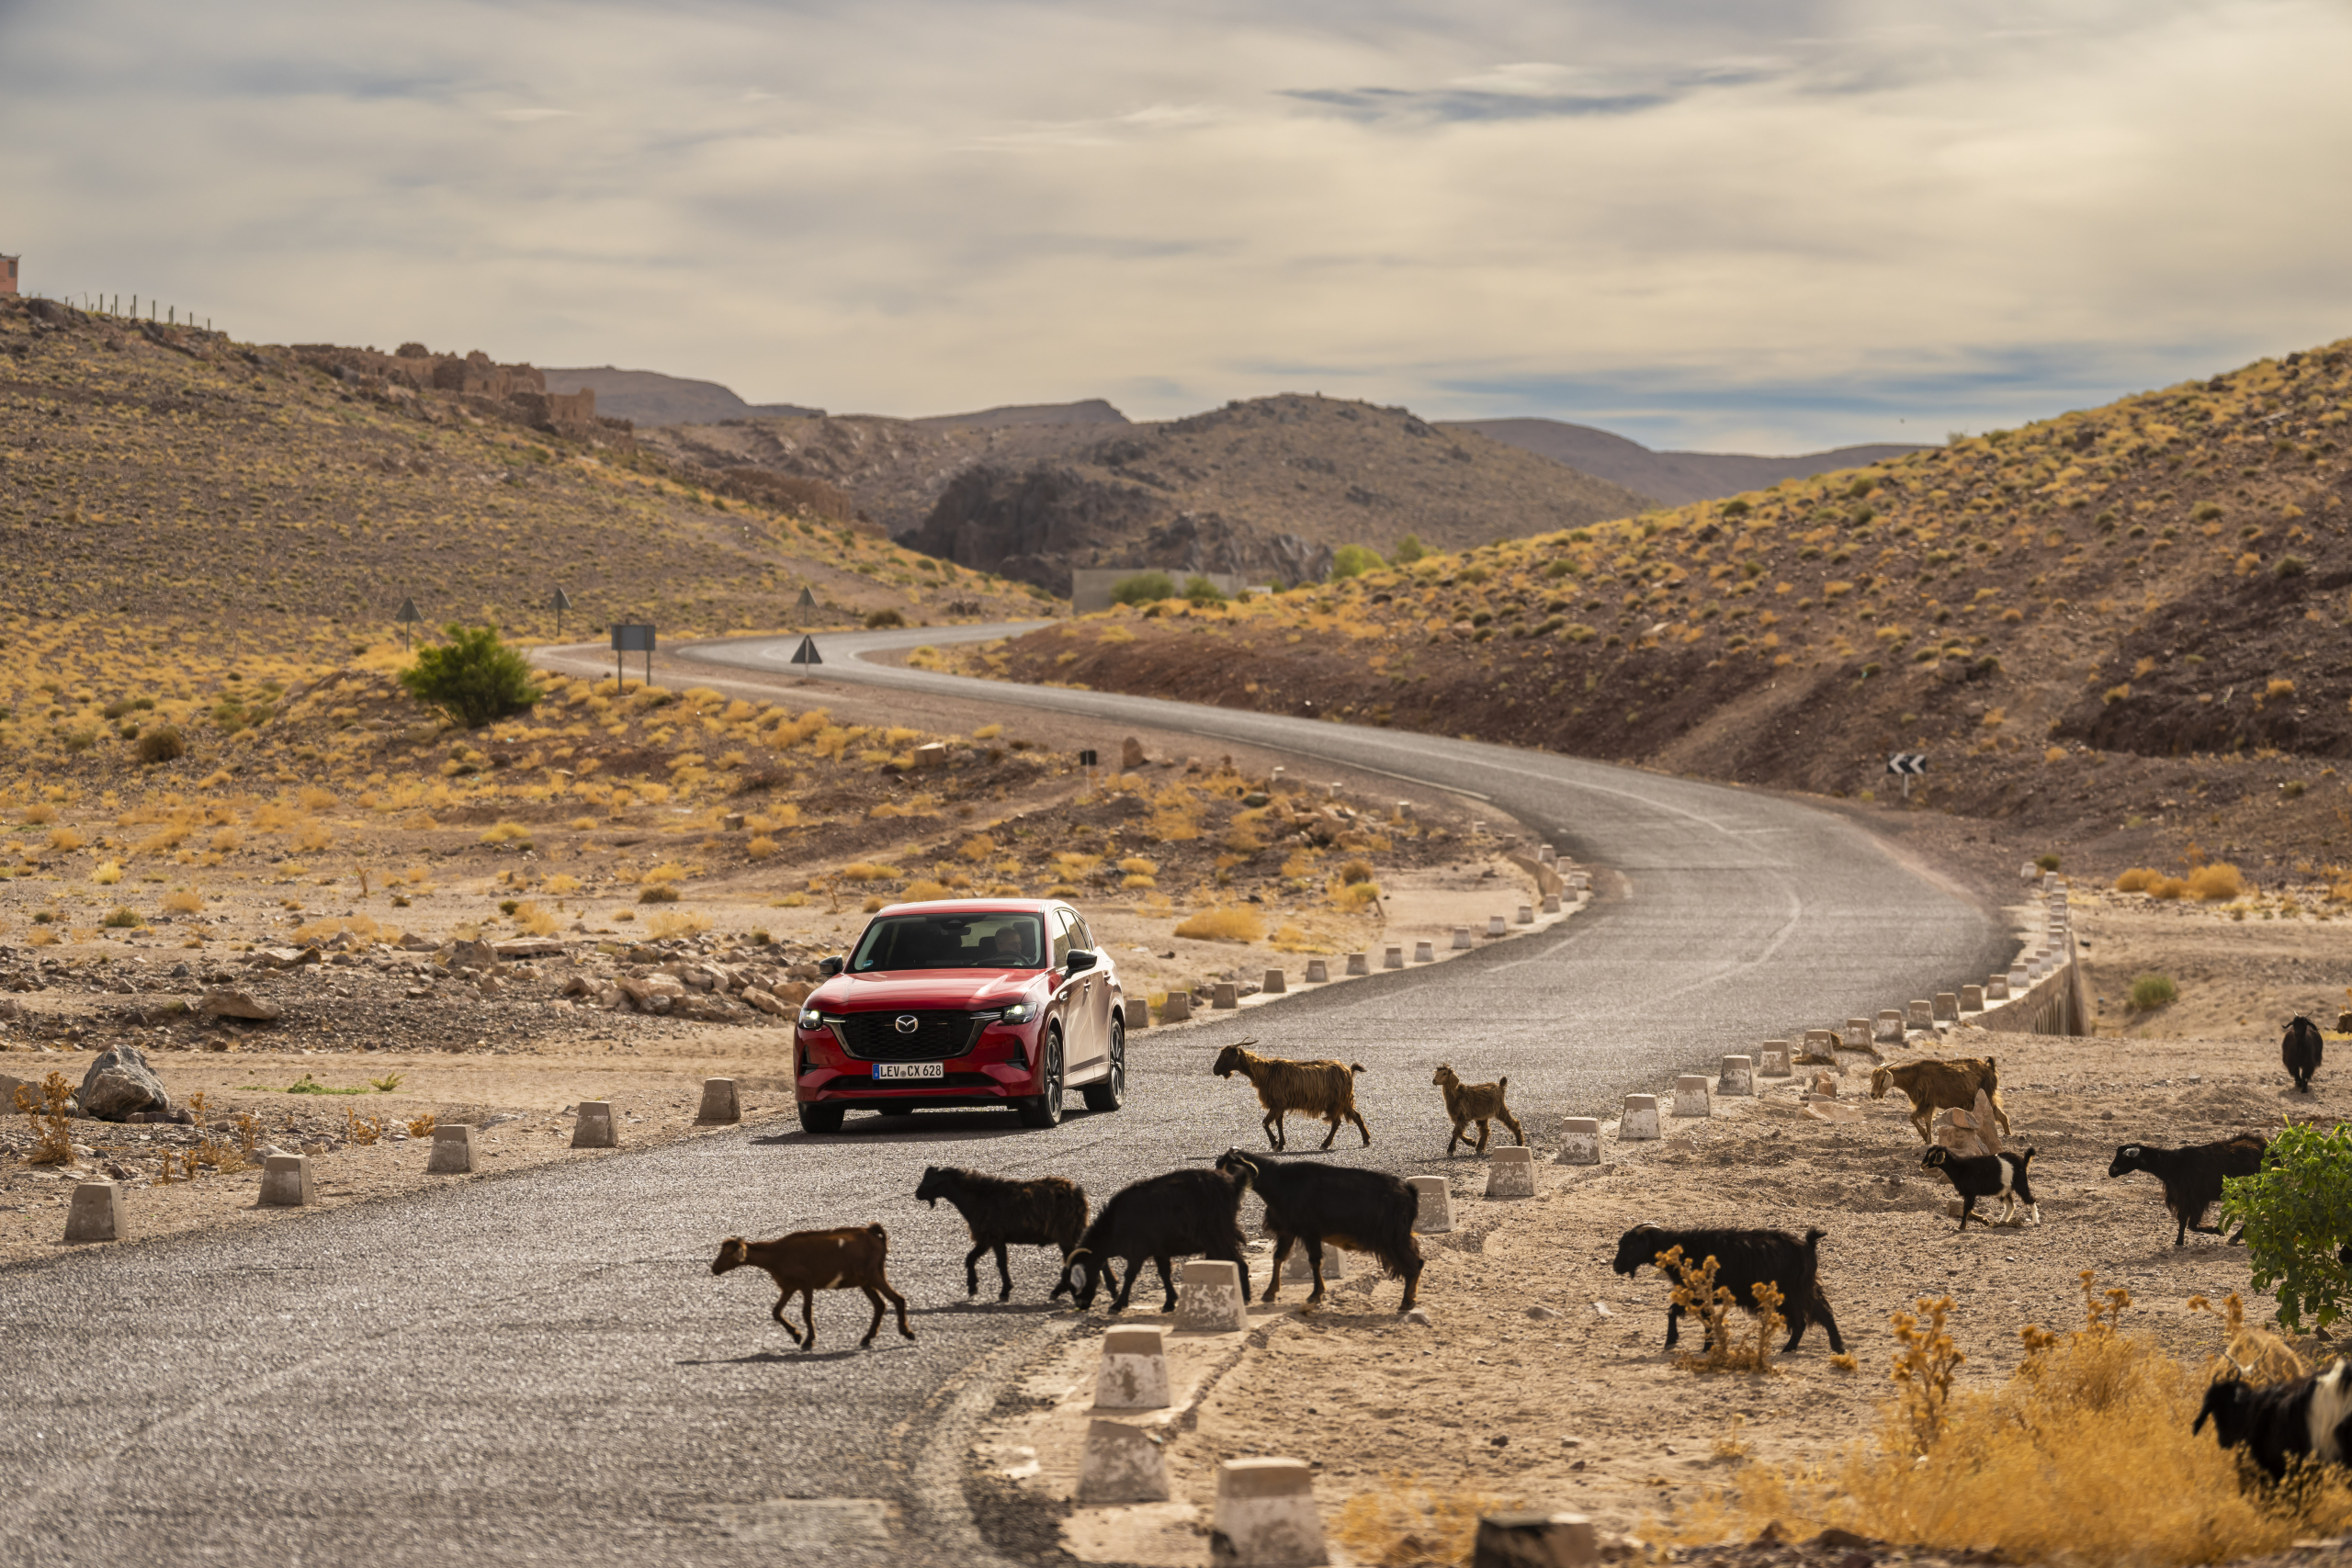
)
(2301, 1050)
(2309, 1418)
(2003, 1175)
(808, 1261)
(1324, 1090)
(1744, 1259)
(1479, 1103)
(1336, 1205)
(2192, 1177)
(1182, 1214)
(1048, 1211)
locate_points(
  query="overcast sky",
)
(1760, 225)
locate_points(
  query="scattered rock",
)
(229, 1003)
(120, 1082)
(283, 957)
(1419, 1315)
(464, 955)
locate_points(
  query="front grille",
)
(874, 1037)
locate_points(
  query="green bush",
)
(123, 920)
(1354, 560)
(2047, 863)
(2150, 992)
(882, 618)
(1410, 549)
(475, 679)
(2297, 1215)
(1143, 588)
(1201, 590)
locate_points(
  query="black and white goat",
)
(2003, 1176)
(2192, 1176)
(1183, 1214)
(1744, 1259)
(2301, 1050)
(1049, 1211)
(2309, 1418)
(1314, 1204)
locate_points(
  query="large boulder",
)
(120, 1082)
(225, 1002)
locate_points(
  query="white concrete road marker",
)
(1510, 1173)
(453, 1150)
(593, 1128)
(1208, 1298)
(1134, 1374)
(1265, 1515)
(719, 1102)
(96, 1213)
(1639, 1121)
(1534, 1541)
(286, 1179)
(1580, 1141)
(1435, 1214)
(1690, 1096)
(1738, 1077)
(1121, 1465)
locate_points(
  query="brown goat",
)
(1479, 1103)
(1325, 1089)
(1942, 1085)
(808, 1261)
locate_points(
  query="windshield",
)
(949, 942)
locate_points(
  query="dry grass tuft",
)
(421, 1126)
(52, 1133)
(1407, 1524)
(536, 921)
(2084, 1456)
(676, 922)
(2137, 880)
(1694, 1289)
(1224, 925)
(2216, 882)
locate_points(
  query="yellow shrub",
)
(2215, 883)
(1073, 865)
(2136, 880)
(669, 871)
(922, 890)
(315, 798)
(561, 883)
(1135, 865)
(2277, 689)
(38, 814)
(107, 874)
(2168, 888)
(500, 832)
(185, 901)
(987, 732)
(976, 847)
(1354, 896)
(760, 848)
(1224, 925)
(269, 816)
(1140, 881)
(866, 871)
(314, 836)
(65, 838)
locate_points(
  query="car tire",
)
(1112, 1092)
(1043, 1109)
(820, 1118)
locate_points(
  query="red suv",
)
(968, 1002)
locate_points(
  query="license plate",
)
(909, 1069)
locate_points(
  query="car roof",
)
(975, 906)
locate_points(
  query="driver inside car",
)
(1010, 947)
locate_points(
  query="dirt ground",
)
(1541, 1377)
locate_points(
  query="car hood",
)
(923, 988)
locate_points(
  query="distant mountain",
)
(1093, 411)
(1674, 478)
(649, 398)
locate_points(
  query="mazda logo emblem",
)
(907, 1024)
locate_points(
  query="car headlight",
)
(811, 1019)
(1019, 1012)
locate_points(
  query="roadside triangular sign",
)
(562, 600)
(408, 611)
(808, 599)
(806, 652)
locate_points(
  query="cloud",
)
(1783, 223)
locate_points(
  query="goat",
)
(1048, 1211)
(1314, 1204)
(808, 1261)
(1744, 1259)
(1325, 1089)
(1180, 1214)
(1986, 1175)
(2309, 1418)
(2192, 1176)
(1942, 1085)
(1479, 1103)
(2301, 1050)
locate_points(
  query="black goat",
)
(2192, 1176)
(2301, 1050)
(1744, 1259)
(1986, 1175)
(2309, 1418)
(1310, 1203)
(1048, 1211)
(1180, 1214)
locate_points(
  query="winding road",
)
(539, 1368)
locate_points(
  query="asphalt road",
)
(540, 1369)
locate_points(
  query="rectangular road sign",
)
(632, 639)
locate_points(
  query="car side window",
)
(1061, 937)
(1079, 931)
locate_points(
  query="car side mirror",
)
(1081, 960)
(828, 967)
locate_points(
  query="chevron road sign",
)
(1910, 765)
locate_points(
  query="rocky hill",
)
(2126, 625)
(1259, 486)
(649, 398)
(1672, 476)
(173, 504)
